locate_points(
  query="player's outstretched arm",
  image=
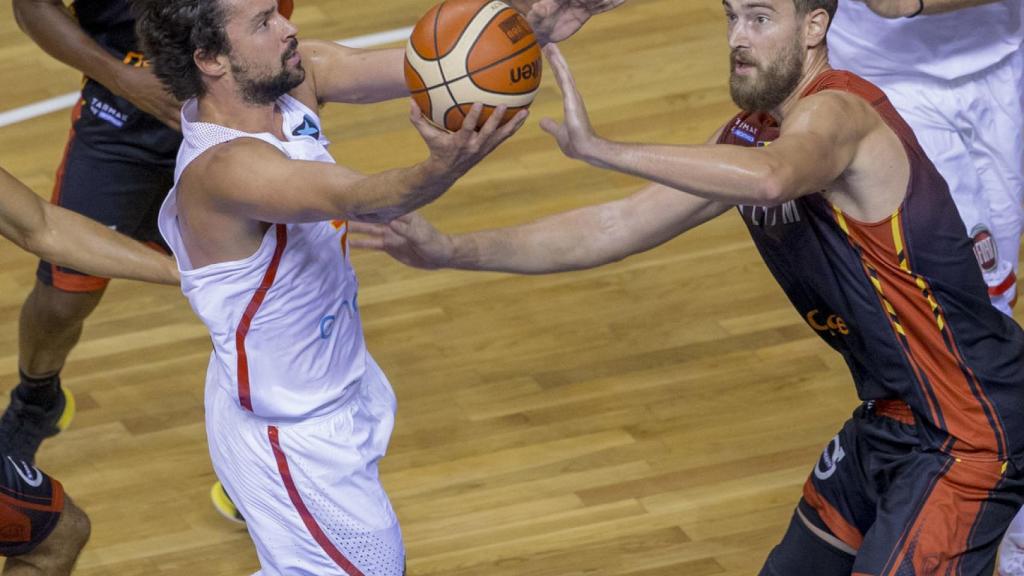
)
(50, 24)
(250, 177)
(574, 240)
(63, 237)
(818, 143)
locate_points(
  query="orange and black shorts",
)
(903, 510)
(30, 506)
(118, 166)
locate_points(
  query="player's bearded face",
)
(264, 87)
(770, 83)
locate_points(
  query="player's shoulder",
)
(233, 163)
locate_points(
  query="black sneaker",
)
(24, 426)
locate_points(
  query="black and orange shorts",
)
(906, 510)
(118, 167)
(30, 506)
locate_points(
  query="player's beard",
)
(772, 84)
(266, 89)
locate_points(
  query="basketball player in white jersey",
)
(298, 413)
(955, 71)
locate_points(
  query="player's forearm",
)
(384, 196)
(576, 240)
(69, 239)
(51, 26)
(728, 174)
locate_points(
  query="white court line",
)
(68, 100)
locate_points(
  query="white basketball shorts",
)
(309, 491)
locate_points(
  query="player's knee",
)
(801, 553)
(50, 305)
(73, 530)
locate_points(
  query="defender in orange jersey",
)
(859, 229)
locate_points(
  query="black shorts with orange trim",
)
(904, 511)
(30, 506)
(117, 169)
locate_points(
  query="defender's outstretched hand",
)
(575, 136)
(457, 152)
(556, 20)
(410, 239)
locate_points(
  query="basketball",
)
(467, 51)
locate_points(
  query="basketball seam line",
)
(440, 68)
(470, 74)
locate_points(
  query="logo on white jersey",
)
(30, 474)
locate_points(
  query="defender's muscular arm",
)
(573, 240)
(817, 144)
(63, 237)
(587, 237)
(50, 25)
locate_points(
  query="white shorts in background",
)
(973, 130)
(309, 491)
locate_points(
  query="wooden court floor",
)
(653, 417)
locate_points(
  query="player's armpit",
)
(343, 74)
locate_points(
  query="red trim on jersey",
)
(250, 312)
(300, 507)
(1003, 286)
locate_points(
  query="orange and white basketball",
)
(467, 51)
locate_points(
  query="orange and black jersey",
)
(901, 299)
(110, 125)
(111, 23)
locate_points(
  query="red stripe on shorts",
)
(300, 506)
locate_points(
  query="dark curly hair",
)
(172, 31)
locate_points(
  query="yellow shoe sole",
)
(223, 504)
(69, 410)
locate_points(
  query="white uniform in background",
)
(297, 412)
(957, 79)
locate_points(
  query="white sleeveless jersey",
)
(287, 338)
(944, 46)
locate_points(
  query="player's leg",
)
(834, 512)
(57, 554)
(50, 326)
(940, 515)
(807, 551)
(43, 531)
(933, 112)
(119, 193)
